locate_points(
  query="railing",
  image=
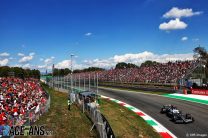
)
(98, 119)
(91, 109)
(190, 71)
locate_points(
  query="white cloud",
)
(20, 54)
(4, 62)
(67, 64)
(47, 64)
(129, 57)
(88, 34)
(49, 60)
(41, 66)
(137, 58)
(63, 64)
(32, 54)
(5, 54)
(102, 63)
(26, 59)
(44, 67)
(26, 66)
(184, 38)
(175, 12)
(173, 25)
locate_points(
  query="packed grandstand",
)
(18, 98)
(157, 73)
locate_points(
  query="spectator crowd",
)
(18, 97)
(157, 73)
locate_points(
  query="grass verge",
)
(133, 90)
(64, 123)
(124, 122)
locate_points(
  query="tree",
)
(77, 71)
(67, 71)
(131, 65)
(121, 65)
(61, 72)
(200, 53)
(92, 69)
(4, 71)
(19, 72)
(148, 63)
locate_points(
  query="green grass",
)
(133, 90)
(124, 122)
(64, 123)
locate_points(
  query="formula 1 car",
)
(182, 118)
(165, 108)
(172, 111)
(169, 110)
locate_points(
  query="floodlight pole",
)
(204, 71)
(79, 82)
(89, 82)
(71, 72)
(75, 81)
(97, 84)
(53, 76)
(94, 81)
(84, 82)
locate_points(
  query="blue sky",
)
(99, 32)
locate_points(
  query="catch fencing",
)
(86, 102)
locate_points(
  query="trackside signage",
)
(199, 91)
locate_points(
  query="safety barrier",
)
(199, 91)
(89, 108)
(99, 121)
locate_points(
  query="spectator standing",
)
(69, 104)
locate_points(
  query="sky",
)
(38, 33)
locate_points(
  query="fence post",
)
(89, 82)
(84, 82)
(83, 103)
(79, 83)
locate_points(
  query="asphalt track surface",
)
(151, 105)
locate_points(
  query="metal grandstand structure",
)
(194, 75)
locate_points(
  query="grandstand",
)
(162, 73)
(21, 101)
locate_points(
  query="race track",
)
(151, 104)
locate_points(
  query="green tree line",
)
(61, 72)
(6, 71)
(88, 69)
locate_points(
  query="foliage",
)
(201, 54)
(90, 69)
(148, 63)
(6, 71)
(123, 65)
(61, 72)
